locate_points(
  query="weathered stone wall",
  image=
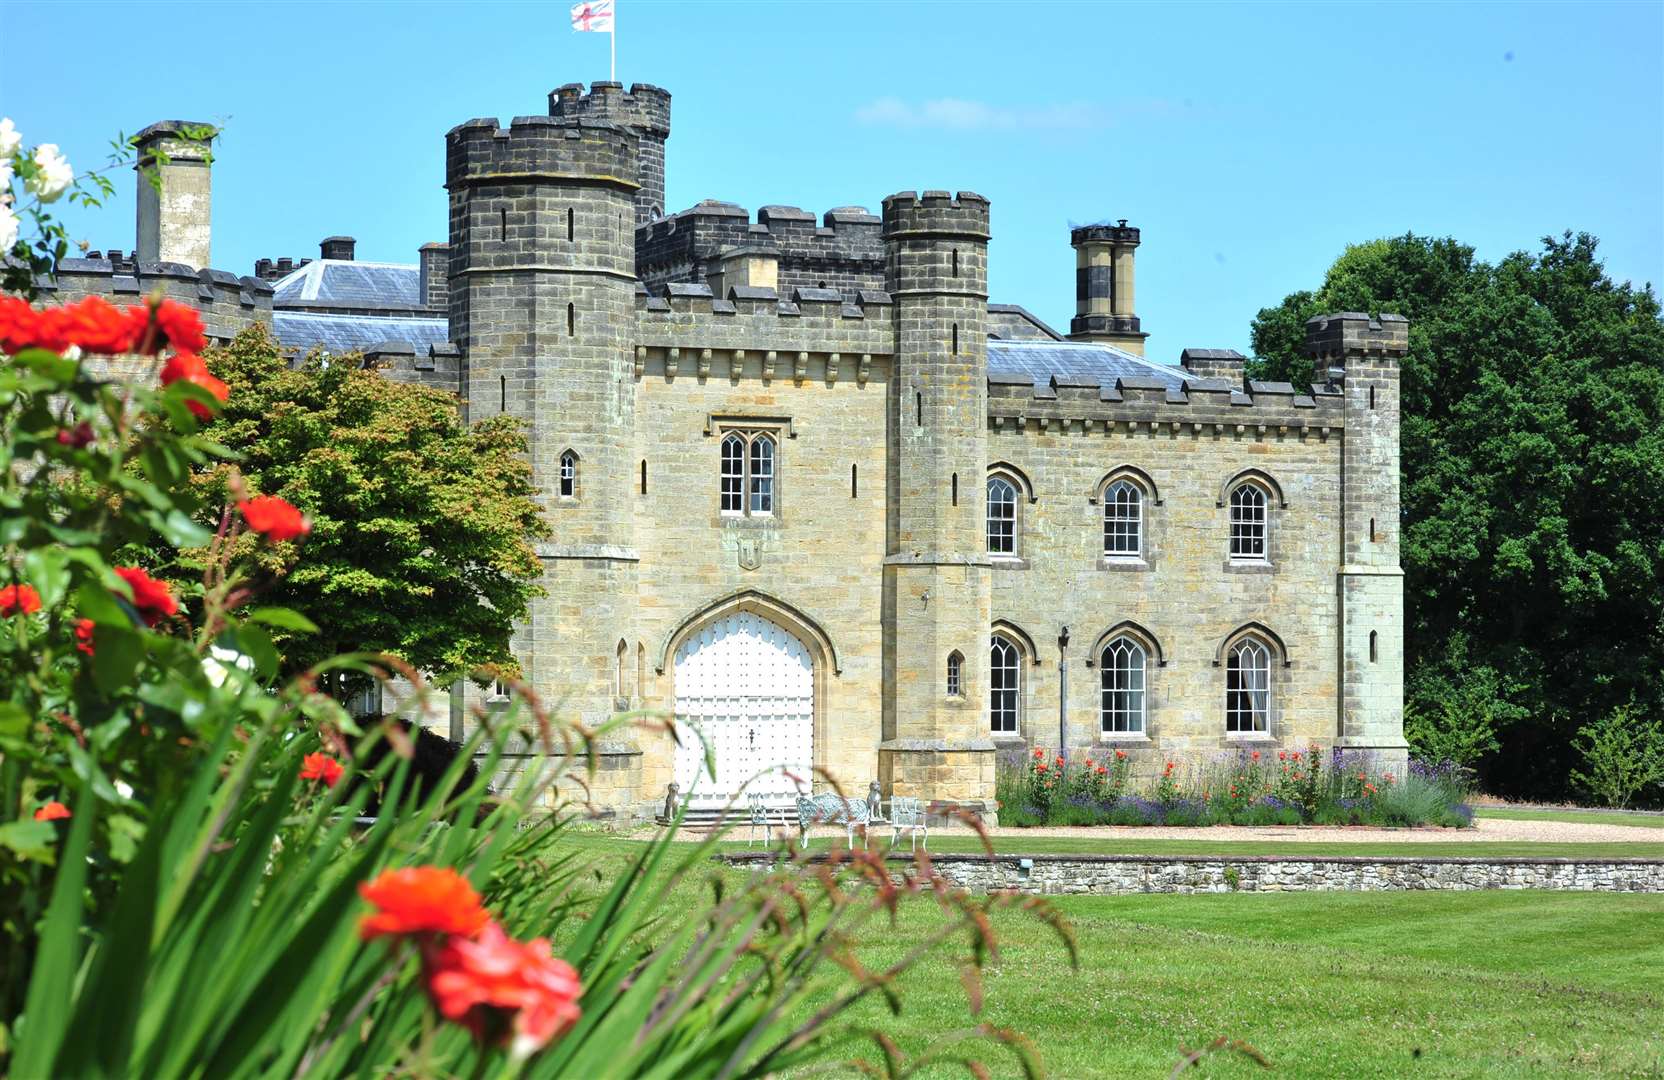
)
(1118, 874)
(1185, 598)
(845, 253)
(228, 303)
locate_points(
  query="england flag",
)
(595, 15)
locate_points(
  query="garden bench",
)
(760, 819)
(909, 816)
(831, 809)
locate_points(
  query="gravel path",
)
(1485, 829)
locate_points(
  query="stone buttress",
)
(936, 570)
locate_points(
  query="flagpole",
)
(612, 43)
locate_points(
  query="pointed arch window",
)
(1005, 674)
(956, 674)
(1122, 669)
(1002, 516)
(569, 475)
(1248, 687)
(1248, 522)
(1123, 520)
(749, 469)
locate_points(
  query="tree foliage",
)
(1533, 483)
(422, 525)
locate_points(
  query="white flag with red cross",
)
(593, 15)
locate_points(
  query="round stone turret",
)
(644, 110)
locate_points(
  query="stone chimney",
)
(754, 265)
(337, 247)
(1104, 286)
(1227, 364)
(174, 222)
(435, 288)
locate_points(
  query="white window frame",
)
(1250, 524)
(1123, 703)
(1012, 519)
(749, 473)
(569, 475)
(1248, 688)
(1117, 518)
(1005, 702)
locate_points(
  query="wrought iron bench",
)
(831, 809)
(760, 818)
(909, 816)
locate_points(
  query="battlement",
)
(936, 213)
(644, 106)
(1354, 333)
(844, 250)
(1202, 406)
(763, 322)
(1104, 233)
(274, 269)
(228, 303)
(540, 148)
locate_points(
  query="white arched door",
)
(748, 685)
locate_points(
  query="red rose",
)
(188, 367)
(18, 599)
(83, 636)
(321, 767)
(153, 599)
(505, 992)
(421, 900)
(274, 518)
(95, 325)
(52, 811)
(19, 323)
(78, 437)
(169, 325)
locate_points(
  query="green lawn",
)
(1581, 817)
(1325, 984)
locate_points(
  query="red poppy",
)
(153, 599)
(274, 518)
(78, 437)
(52, 811)
(321, 767)
(505, 992)
(1120, 755)
(421, 900)
(1255, 755)
(18, 599)
(83, 636)
(169, 325)
(188, 367)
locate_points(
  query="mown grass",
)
(1581, 817)
(1324, 984)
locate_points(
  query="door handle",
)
(753, 735)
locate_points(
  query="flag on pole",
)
(593, 15)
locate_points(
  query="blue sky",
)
(1250, 143)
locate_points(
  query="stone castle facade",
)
(813, 493)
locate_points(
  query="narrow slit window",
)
(502, 222)
(956, 339)
(568, 475)
(502, 393)
(1372, 530)
(955, 262)
(854, 485)
(621, 689)
(644, 476)
(571, 320)
(956, 489)
(1372, 648)
(1372, 395)
(569, 223)
(918, 407)
(956, 674)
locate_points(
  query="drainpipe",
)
(1063, 693)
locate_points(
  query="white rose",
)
(10, 140)
(5, 179)
(8, 229)
(54, 173)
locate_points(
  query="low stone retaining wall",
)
(1115, 874)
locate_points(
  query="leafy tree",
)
(1533, 483)
(421, 524)
(1623, 754)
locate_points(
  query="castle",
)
(813, 493)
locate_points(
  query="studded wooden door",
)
(749, 686)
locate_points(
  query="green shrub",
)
(1623, 755)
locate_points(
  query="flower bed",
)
(1298, 787)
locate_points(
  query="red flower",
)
(1040, 766)
(505, 992)
(94, 324)
(1169, 766)
(52, 811)
(83, 636)
(1255, 755)
(321, 767)
(18, 599)
(1120, 755)
(150, 596)
(274, 518)
(421, 900)
(1282, 755)
(78, 437)
(188, 367)
(1060, 761)
(1297, 755)
(170, 324)
(1039, 752)
(18, 323)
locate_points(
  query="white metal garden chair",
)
(908, 816)
(760, 819)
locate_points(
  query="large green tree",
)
(1533, 488)
(422, 525)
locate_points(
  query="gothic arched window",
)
(1002, 516)
(1248, 687)
(1123, 520)
(956, 674)
(569, 475)
(762, 475)
(748, 473)
(1004, 684)
(1121, 672)
(1248, 522)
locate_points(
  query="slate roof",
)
(302, 330)
(1076, 363)
(361, 286)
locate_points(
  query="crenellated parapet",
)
(935, 213)
(645, 111)
(1201, 407)
(1353, 333)
(228, 303)
(844, 250)
(808, 333)
(538, 148)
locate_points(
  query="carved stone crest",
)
(751, 555)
